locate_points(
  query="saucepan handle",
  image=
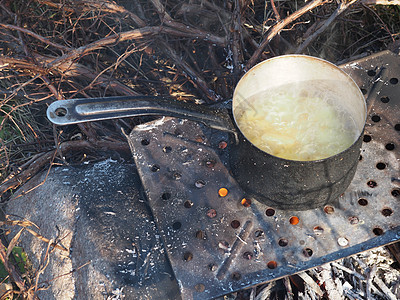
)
(72, 111)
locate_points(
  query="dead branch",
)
(277, 16)
(13, 242)
(22, 177)
(60, 6)
(236, 29)
(43, 77)
(186, 30)
(278, 27)
(347, 270)
(9, 293)
(109, 40)
(330, 286)
(135, 34)
(44, 160)
(25, 224)
(265, 293)
(89, 5)
(161, 10)
(74, 69)
(289, 292)
(8, 222)
(192, 75)
(36, 36)
(395, 250)
(190, 32)
(47, 241)
(70, 272)
(380, 2)
(343, 6)
(313, 285)
(112, 7)
(42, 267)
(67, 69)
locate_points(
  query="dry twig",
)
(343, 6)
(313, 285)
(278, 27)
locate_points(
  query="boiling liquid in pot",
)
(296, 125)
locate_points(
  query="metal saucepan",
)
(298, 125)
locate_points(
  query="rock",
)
(98, 213)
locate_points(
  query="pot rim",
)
(320, 60)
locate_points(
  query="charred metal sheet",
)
(221, 243)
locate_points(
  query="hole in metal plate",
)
(380, 166)
(211, 213)
(188, 204)
(353, 220)
(272, 264)
(188, 256)
(235, 224)
(387, 212)
(200, 287)
(294, 220)
(343, 241)
(372, 184)
(376, 118)
(176, 225)
(200, 184)
(307, 252)
(167, 149)
(329, 209)
(246, 202)
(377, 231)
(166, 196)
(363, 202)
(367, 138)
(389, 146)
(385, 99)
(236, 276)
(259, 233)
(283, 242)
(145, 142)
(247, 255)
(318, 230)
(270, 212)
(155, 168)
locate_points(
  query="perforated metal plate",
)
(219, 244)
